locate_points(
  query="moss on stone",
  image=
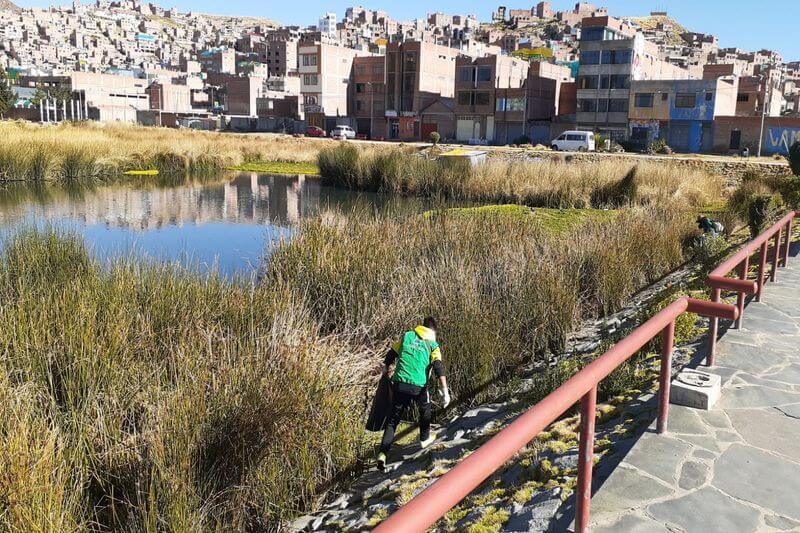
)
(490, 521)
(379, 516)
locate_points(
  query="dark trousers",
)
(402, 397)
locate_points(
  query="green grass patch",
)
(553, 220)
(150, 172)
(279, 167)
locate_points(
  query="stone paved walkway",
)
(735, 468)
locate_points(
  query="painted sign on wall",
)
(780, 139)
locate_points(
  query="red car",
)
(313, 131)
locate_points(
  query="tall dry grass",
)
(147, 398)
(543, 183)
(90, 150)
(503, 290)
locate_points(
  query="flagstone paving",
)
(735, 468)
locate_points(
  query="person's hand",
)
(445, 398)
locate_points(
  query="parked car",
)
(314, 131)
(574, 141)
(343, 133)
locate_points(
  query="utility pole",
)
(767, 92)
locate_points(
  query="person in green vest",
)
(413, 357)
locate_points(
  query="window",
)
(465, 74)
(464, 98)
(602, 105)
(482, 98)
(743, 97)
(618, 105)
(360, 87)
(593, 34)
(620, 81)
(643, 100)
(590, 58)
(310, 79)
(685, 100)
(664, 97)
(616, 57)
(484, 74)
(587, 106)
(709, 96)
(516, 104)
(309, 60)
(575, 137)
(588, 82)
(500, 104)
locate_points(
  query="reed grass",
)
(90, 150)
(540, 183)
(504, 291)
(147, 398)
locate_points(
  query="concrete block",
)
(696, 389)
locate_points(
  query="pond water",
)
(228, 223)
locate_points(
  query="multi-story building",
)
(612, 55)
(420, 83)
(218, 61)
(477, 83)
(368, 94)
(170, 97)
(551, 101)
(326, 71)
(681, 112)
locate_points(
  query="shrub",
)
(614, 195)
(794, 158)
(659, 146)
(707, 251)
(790, 192)
(762, 210)
(435, 137)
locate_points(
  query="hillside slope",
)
(5, 5)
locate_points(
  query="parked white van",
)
(574, 141)
(343, 133)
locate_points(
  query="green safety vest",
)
(413, 360)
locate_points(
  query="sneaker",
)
(427, 442)
(381, 461)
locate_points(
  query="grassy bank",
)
(611, 182)
(138, 397)
(78, 151)
(144, 398)
(503, 292)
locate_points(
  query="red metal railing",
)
(430, 505)
(740, 262)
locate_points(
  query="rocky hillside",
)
(661, 29)
(5, 5)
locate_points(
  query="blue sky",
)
(736, 22)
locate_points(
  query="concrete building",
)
(326, 71)
(417, 75)
(551, 102)
(170, 97)
(734, 134)
(327, 25)
(477, 84)
(368, 96)
(238, 94)
(218, 61)
(611, 56)
(680, 112)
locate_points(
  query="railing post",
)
(787, 243)
(740, 297)
(713, 331)
(585, 460)
(667, 341)
(762, 271)
(776, 254)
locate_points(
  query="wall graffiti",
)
(780, 139)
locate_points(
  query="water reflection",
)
(226, 222)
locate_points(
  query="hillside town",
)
(523, 76)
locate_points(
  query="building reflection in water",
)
(228, 223)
